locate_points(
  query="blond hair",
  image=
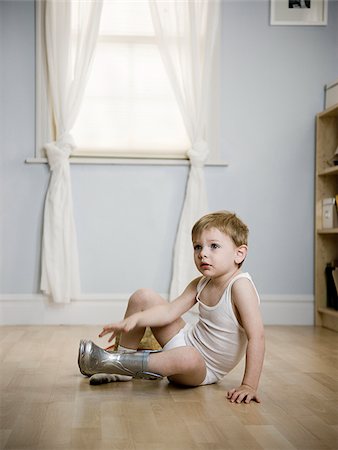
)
(226, 222)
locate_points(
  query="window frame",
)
(45, 131)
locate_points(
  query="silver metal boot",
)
(93, 359)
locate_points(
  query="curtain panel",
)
(71, 30)
(186, 32)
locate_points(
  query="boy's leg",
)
(141, 300)
(182, 365)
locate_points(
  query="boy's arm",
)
(246, 303)
(157, 316)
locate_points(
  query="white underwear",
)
(179, 341)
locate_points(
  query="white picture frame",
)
(298, 12)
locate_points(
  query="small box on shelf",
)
(329, 213)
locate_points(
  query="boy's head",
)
(226, 222)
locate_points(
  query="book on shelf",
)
(331, 276)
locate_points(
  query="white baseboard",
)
(287, 309)
(98, 309)
(91, 309)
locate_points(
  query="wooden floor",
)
(46, 404)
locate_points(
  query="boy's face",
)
(216, 254)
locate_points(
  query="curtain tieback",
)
(59, 151)
(198, 153)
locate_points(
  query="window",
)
(129, 109)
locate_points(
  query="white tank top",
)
(218, 335)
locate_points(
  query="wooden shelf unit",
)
(326, 240)
(328, 231)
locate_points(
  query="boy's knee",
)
(143, 298)
(190, 368)
(190, 359)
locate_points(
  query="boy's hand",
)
(115, 328)
(243, 393)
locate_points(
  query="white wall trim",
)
(287, 309)
(97, 309)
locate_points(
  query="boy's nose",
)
(203, 253)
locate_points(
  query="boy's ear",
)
(241, 253)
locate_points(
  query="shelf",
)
(326, 239)
(328, 311)
(329, 171)
(329, 112)
(328, 231)
(328, 318)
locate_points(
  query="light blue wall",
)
(271, 88)
(273, 80)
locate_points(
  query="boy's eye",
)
(197, 247)
(213, 246)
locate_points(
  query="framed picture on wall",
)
(298, 12)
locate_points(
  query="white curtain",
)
(71, 29)
(186, 31)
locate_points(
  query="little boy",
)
(229, 322)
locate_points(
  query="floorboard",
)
(46, 404)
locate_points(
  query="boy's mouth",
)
(205, 265)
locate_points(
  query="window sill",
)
(128, 161)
